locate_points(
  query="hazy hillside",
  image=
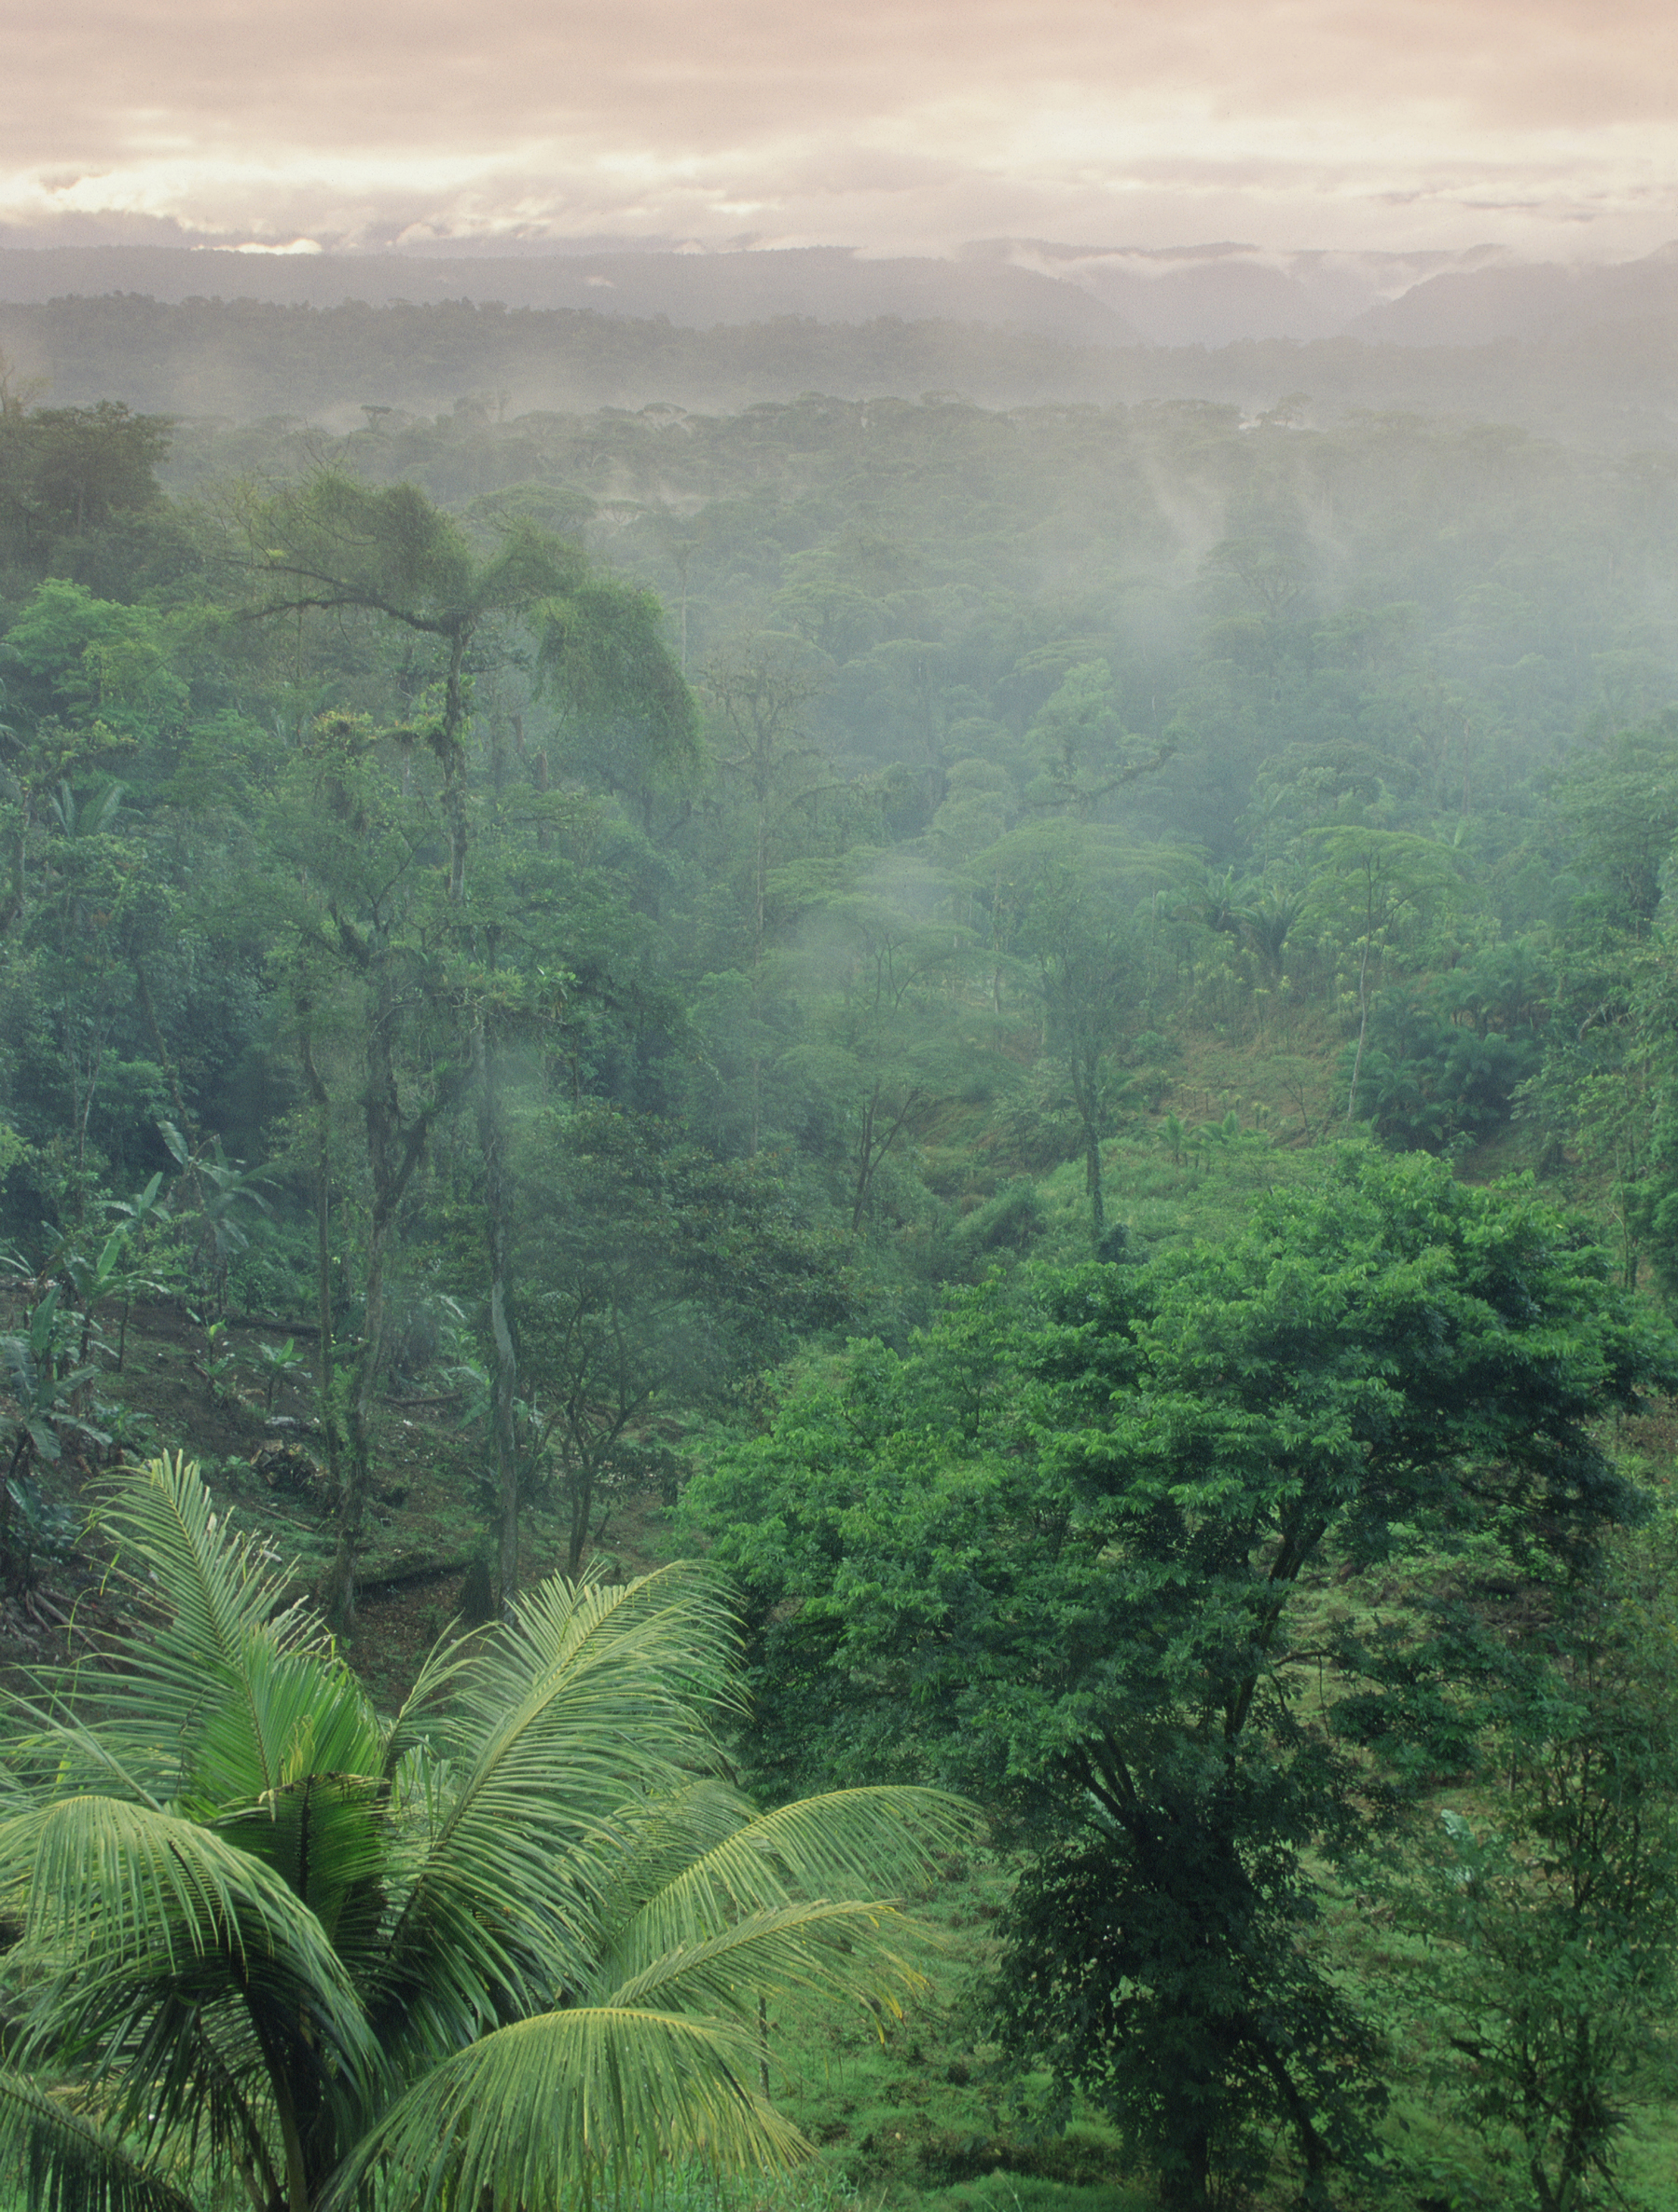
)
(1610, 388)
(1542, 300)
(1046, 1030)
(695, 290)
(1213, 295)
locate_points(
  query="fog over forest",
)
(1579, 353)
(838, 1227)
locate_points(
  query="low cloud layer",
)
(1543, 123)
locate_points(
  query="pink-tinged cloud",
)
(899, 127)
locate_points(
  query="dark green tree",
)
(654, 1279)
(1063, 1549)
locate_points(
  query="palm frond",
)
(652, 1656)
(839, 1949)
(845, 1843)
(129, 1895)
(591, 1700)
(216, 1587)
(327, 1836)
(417, 1721)
(543, 2113)
(189, 2077)
(239, 1689)
(290, 1714)
(53, 1753)
(660, 1838)
(179, 2074)
(248, 1909)
(59, 2162)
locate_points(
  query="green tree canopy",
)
(1059, 1551)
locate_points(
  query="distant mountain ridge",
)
(696, 291)
(1214, 295)
(1533, 300)
(1228, 294)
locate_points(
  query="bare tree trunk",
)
(1086, 1095)
(337, 1595)
(454, 767)
(582, 1486)
(18, 1459)
(395, 1146)
(492, 1142)
(872, 1147)
(323, 1108)
(1363, 1029)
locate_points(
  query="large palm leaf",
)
(832, 1846)
(545, 2112)
(829, 1947)
(589, 1704)
(250, 1912)
(120, 1903)
(229, 1690)
(61, 2158)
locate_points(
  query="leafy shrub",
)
(1426, 1082)
(1008, 1222)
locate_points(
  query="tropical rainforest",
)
(837, 1245)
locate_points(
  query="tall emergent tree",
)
(376, 798)
(503, 1949)
(1065, 900)
(1063, 1552)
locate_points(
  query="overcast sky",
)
(894, 125)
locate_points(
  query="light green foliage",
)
(508, 1942)
(104, 668)
(1086, 753)
(1070, 913)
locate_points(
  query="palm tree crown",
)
(500, 1951)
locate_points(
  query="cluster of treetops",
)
(1606, 384)
(634, 895)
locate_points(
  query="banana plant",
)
(96, 1279)
(219, 1359)
(93, 817)
(136, 1217)
(213, 1189)
(279, 1361)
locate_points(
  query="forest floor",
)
(430, 1515)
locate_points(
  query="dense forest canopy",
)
(1047, 1033)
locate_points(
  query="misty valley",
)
(838, 1224)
